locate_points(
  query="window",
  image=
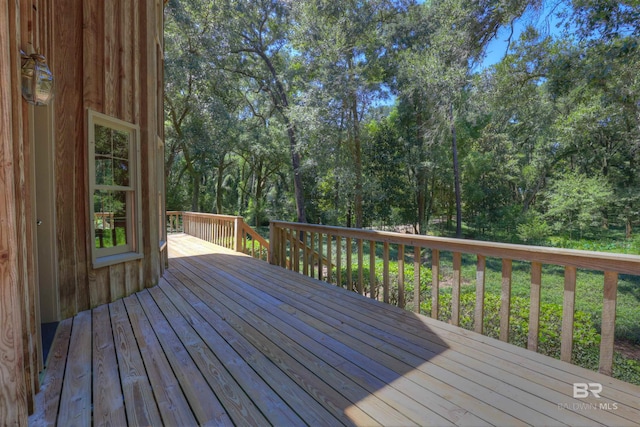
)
(114, 174)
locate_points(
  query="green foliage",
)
(425, 279)
(576, 202)
(534, 229)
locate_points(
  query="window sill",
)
(106, 261)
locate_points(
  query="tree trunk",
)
(456, 173)
(421, 180)
(259, 188)
(282, 104)
(195, 194)
(357, 150)
(357, 166)
(219, 181)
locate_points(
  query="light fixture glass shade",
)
(37, 79)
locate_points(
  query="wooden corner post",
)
(238, 226)
(273, 243)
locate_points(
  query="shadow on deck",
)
(228, 340)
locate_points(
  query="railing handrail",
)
(246, 228)
(206, 214)
(592, 260)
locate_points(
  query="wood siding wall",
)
(106, 59)
(106, 56)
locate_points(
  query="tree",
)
(576, 202)
(340, 45)
(437, 65)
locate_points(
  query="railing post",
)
(273, 242)
(608, 322)
(238, 226)
(568, 308)
(505, 300)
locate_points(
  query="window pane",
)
(112, 156)
(110, 217)
(121, 172)
(103, 140)
(104, 170)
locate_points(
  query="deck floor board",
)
(225, 339)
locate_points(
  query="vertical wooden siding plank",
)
(93, 54)
(13, 388)
(117, 281)
(126, 62)
(110, 58)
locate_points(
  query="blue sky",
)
(544, 20)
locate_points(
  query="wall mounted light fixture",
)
(37, 79)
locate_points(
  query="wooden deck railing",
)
(174, 222)
(231, 232)
(299, 247)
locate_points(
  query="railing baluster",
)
(296, 251)
(339, 261)
(312, 255)
(372, 269)
(505, 300)
(385, 272)
(416, 278)
(534, 309)
(329, 263)
(608, 322)
(401, 276)
(568, 306)
(305, 254)
(348, 248)
(320, 263)
(479, 309)
(435, 282)
(455, 288)
(360, 268)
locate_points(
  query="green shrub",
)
(425, 279)
(534, 229)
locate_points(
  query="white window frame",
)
(102, 257)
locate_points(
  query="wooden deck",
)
(229, 340)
